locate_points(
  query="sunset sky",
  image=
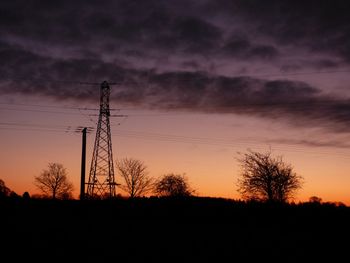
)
(199, 81)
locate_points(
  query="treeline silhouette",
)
(180, 229)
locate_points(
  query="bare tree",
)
(54, 182)
(266, 178)
(135, 175)
(173, 185)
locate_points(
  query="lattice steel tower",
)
(101, 179)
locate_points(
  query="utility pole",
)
(83, 164)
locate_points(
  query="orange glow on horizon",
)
(210, 163)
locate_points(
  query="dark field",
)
(172, 230)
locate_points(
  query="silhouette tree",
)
(26, 195)
(14, 195)
(4, 190)
(53, 182)
(315, 199)
(266, 178)
(135, 175)
(173, 185)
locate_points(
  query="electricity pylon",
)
(101, 178)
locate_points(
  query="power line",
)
(40, 111)
(43, 127)
(44, 106)
(214, 141)
(31, 127)
(36, 130)
(53, 106)
(157, 136)
(27, 127)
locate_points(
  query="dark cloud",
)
(197, 34)
(162, 52)
(294, 102)
(318, 26)
(257, 29)
(145, 25)
(127, 26)
(240, 47)
(190, 65)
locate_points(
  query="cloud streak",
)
(333, 143)
(294, 102)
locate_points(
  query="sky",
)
(199, 83)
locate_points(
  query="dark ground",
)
(172, 230)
